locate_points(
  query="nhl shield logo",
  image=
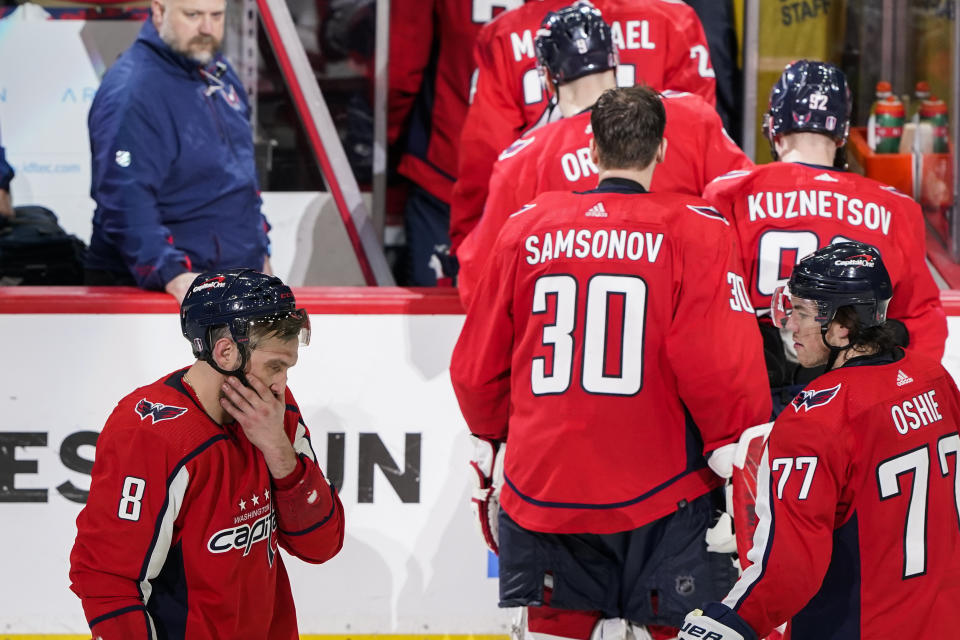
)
(685, 585)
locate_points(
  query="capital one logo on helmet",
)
(212, 283)
(862, 260)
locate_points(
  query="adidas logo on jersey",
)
(826, 177)
(903, 378)
(596, 211)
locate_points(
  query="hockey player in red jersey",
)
(431, 65)
(606, 346)
(661, 43)
(858, 485)
(577, 54)
(788, 209)
(201, 475)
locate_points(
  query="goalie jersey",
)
(179, 536)
(784, 211)
(557, 158)
(608, 344)
(661, 43)
(858, 504)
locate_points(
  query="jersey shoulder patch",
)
(157, 411)
(516, 147)
(732, 175)
(525, 207)
(708, 212)
(896, 192)
(812, 398)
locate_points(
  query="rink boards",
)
(375, 392)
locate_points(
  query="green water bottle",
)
(921, 92)
(933, 110)
(890, 116)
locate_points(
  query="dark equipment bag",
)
(35, 250)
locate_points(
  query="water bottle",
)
(933, 110)
(888, 128)
(920, 93)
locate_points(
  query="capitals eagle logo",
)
(158, 411)
(810, 398)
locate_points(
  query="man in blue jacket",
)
(6, 175)
(173, 163)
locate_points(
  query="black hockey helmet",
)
(574, 42)
(809, 96)
(842, 274)
(237, 299)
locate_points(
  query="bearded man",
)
(173, 172)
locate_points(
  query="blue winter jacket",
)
(6, 171)
(173, 168)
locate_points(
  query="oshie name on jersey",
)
(824, 204)
(601, 244)
(631, 34)
(919, 411)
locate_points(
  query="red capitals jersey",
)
(431, 63)
(180, 532)
(661, 44)
(557, 158)
(857, 504)
(601, 320)
(784, 211)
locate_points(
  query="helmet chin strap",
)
(236, 373)
(834, 351)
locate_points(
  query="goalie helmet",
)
(574, 42)
(809, 96)
(842, 274)
(237, 299)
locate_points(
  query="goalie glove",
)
(716, 621)
(487, 468)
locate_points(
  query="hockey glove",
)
(444, 265)
(487, 471)
(717, 622)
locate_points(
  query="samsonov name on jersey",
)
(602, 244)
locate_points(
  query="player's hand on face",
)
(257, 410)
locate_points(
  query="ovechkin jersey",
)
(557, 158)
(857, 503)
(661, 43)
(784, 211)
(608, 344)
(431, 64)
(179, 535)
